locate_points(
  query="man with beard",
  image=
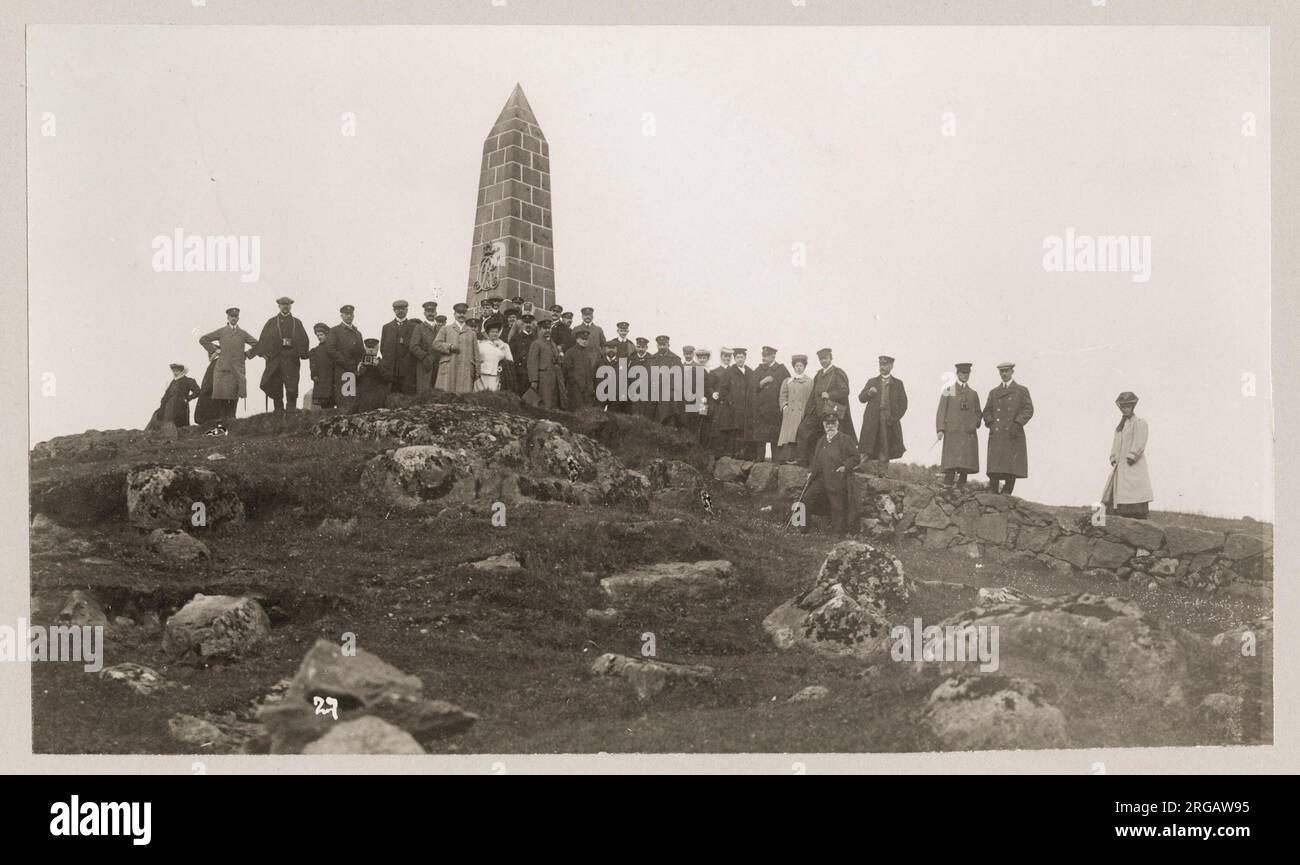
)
(830, 396)
(321, 369)
(519, 344)
(345, 347)
(765, 404)
(669, 406)
(830, 485)
(395, 350)
(284, 345)
(882, 428)
(595, 333)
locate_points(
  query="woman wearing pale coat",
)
(1128, 491)
(794, 398)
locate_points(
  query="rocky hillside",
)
(468, 575)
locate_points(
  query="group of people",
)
(550, 361)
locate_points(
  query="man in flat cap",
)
(545, 370)
(284, 345)
(1128, 490)
(519, 344)
(882, 428)
(457, 343)
(595, 333)
(739, 398)
(580, 364)
(830, 484)
(1006, 411)
(229, 381)
(669, 407)
(956, 423)
(622, 344)
(562, 331)
(424, 356)
(174, 409)
(345, 347)
(642, 406)
(765, 404)
(395, 349)
(830, 395)
(321, 369)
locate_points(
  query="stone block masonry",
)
(512, 252)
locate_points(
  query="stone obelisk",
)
(511, 252)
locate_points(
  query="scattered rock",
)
(762, 477)
(362, 684)
(365, 735)
(609, 614)
(504, 565)
(810, 693)
(82, 610)
(1003, 595)
(1165, 567)
(1135, 533)
(994, 713)
(1240, 546)
(338, 529)
(194, 731)
(163, 497)
(137, 677)
(846, 609)
(728, 469)
(1180, 541)
(648, 677)
(177, 545)
(215, 627)
(50, 538)
(664, 474)
(670, 581)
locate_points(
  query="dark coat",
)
(206, 410)
(623, 347)
(562, 335)
(395, 355)
(580, 376)
(642, 407)
(374, 383)
(834, 382)
(1006, 412)
(545, 371)
(893, 410)
(175, 404)
(283, 362)
(739, 396)
(666, 407)
(345, 348)
(322, 376)
(765, 402)
(519, 345)
(830, 490)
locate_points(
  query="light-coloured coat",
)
(229, 381)
(1131, 484)
(426, 357)
(794, 399)
(958, 419)
(458, 345)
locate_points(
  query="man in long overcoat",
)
(580, 364)
(422, 350)
(643, 406)
(765, 404)
(229, 381)
(1006, 411)
(519, 344)
(285, 346)
(740, 396)
(830, 396)
(882, 428)
(345, 347)
(956, 424)
(830, 485)
(458, 345)
(669, 407)
(717, 385)
(395, 349)
(545, 367)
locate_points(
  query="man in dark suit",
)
(345, 347)
(284, 344)
(395, 350)
(623, 346)
(882, 428)
(830, 485)
(1006, 412)
(829, 396)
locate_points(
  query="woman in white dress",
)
(493, 351)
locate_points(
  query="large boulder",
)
(139, 678)
(215, 628)
(1242, 546)
(48, 538)
(1181, 541)
(1082, 642)
(165, 497)
(362, 685)
(845, 611)
(81, 610)
(457, 453)
(665, 474)
(648, 676)
(994, 713)
(728, 469)
(365, 735)
(1143, 534)
(670, 581)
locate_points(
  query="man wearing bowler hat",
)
(1006, 411)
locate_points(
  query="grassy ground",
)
(516, 650)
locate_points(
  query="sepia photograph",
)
(491, 389)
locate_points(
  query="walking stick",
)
(789, 522)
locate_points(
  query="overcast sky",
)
(922, 245)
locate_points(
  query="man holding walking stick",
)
(830, 484)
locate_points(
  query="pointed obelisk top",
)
(516, 108)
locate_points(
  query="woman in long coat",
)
(793, 399)
(208, 410)
(229, 381)
(1128, 491)
(175, 406)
